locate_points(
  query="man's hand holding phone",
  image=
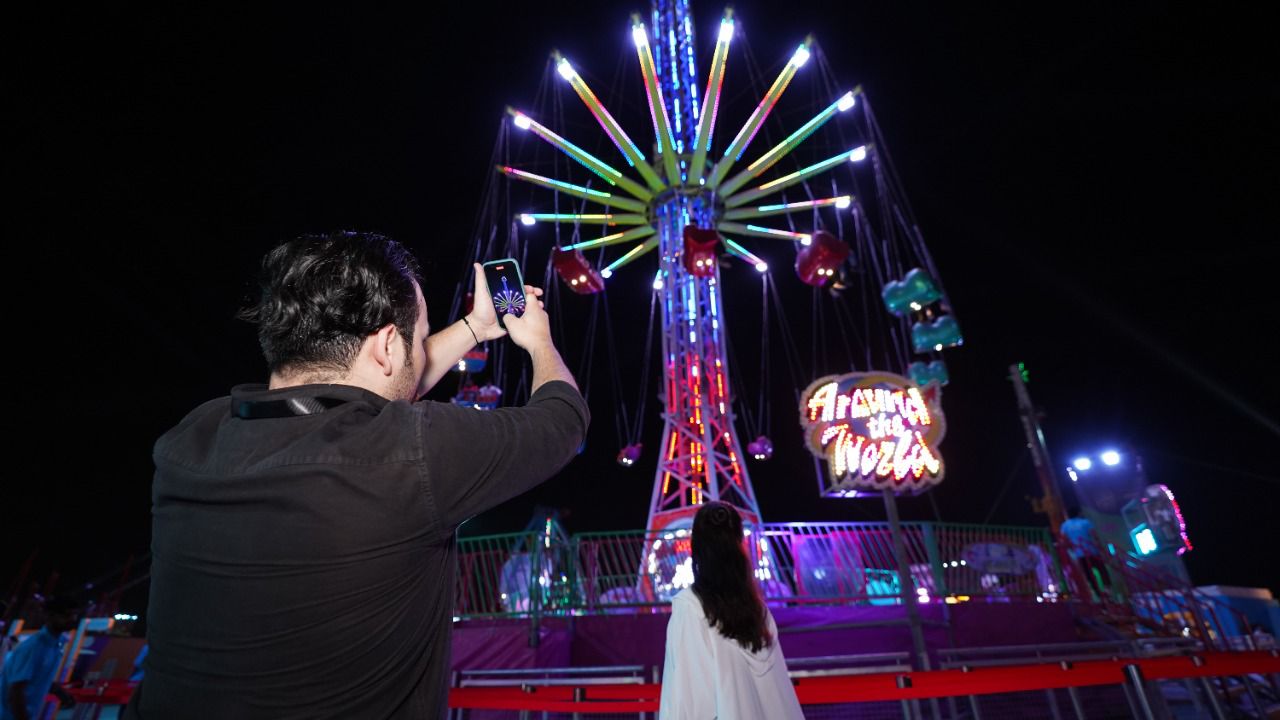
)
(483, 318)
(517, 310)
(532, 330)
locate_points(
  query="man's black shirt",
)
(303, 565)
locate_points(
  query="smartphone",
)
(506, 285)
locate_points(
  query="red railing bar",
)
(889, 686)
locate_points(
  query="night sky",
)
(1097, 187)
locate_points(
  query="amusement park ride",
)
(871, 418)
(695, 200)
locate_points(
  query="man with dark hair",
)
(29, 670)
(303, 531)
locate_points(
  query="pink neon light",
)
(767, 110)
(600, 116)
(1182, 525)
(714, 101)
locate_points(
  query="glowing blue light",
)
(657, 281)
(1144, 540)
(1082, 463)
(606, 273)
(1111, 457)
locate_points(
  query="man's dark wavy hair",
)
(722, 577)
(322, 295)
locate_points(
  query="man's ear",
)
(384, 341)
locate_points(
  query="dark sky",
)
(1097, 185)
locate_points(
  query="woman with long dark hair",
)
(723, 659)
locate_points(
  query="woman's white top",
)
(707, 675)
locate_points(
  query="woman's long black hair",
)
(722, 577)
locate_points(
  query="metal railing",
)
(1082, 680)
(527, 574)
(1156, 602)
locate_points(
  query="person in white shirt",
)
(723, 660)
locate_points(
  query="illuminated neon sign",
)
(876, 431)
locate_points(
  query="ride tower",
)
(690, 206)
(701, 458)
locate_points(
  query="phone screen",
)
(506, 285)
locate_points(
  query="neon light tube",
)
(631, 255)
(737, 250)
(610, 126)
(756, 230)
(748, 131)
(786, 181)
(657, 108)
(614, 239)
(711, 100)
(841, 202)
(769, 159)
(605, 219)
(597, 196)
(589, 161)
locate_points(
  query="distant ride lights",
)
(1114, 484)
(761, 448)
(915, 295)
(876, 431)
(1083, 464)
(1155, 522)
(630, 454)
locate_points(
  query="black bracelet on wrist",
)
(473, 332)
